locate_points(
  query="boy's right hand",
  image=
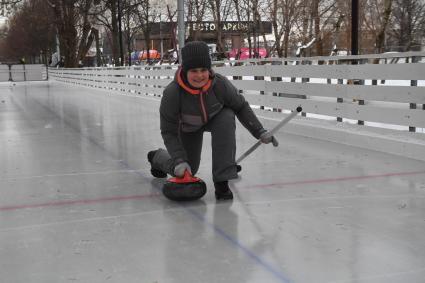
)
(266, 138)
(181, 168)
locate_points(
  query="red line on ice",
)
(331, 180)
(76, 202)
(135, 197)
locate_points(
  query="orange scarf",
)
(189, 89)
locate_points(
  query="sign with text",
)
(232, 27)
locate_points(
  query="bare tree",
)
(171, 15)
(290, 11)
(30, 34)
(147, 14)
(247, 12)
(314, 22)
(380, 39)
(322, 13)
(7, 6)
(74, 20)
(196, 10)
(408, 23)
(131, 23)
(86, 30)
(374, 19)
(107, 15)
(243, 10)
(220, 10)
(341, 23)
(66, 17)
(10, 2)
(237, 6)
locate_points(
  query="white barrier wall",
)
(4, 73)
(387, 96)
(17, 73)
(23, 72)
(35, 72)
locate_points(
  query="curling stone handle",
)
(187, 178)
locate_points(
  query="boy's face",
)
(198, 77)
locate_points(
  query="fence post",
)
(303, 81)
(277, 79)
(25, 73)
(360, 82)
(340, 81)
(414, 83)
(238, 77)
(10, 72)
(259, 78)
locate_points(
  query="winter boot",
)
(222, 191)
(238, 168)
(155, 172)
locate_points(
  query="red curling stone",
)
(186, 188)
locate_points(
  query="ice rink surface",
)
(78, 203)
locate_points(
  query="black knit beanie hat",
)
(195, 54)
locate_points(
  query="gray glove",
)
(181, 168)
(266, 138)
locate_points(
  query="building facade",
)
(233, 34)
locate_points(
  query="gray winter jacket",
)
(188, 110)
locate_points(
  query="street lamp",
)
(354, 27)
(120, 33)
(57, 34)
(181, 27)
(160, 37)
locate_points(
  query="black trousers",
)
(223, 143)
